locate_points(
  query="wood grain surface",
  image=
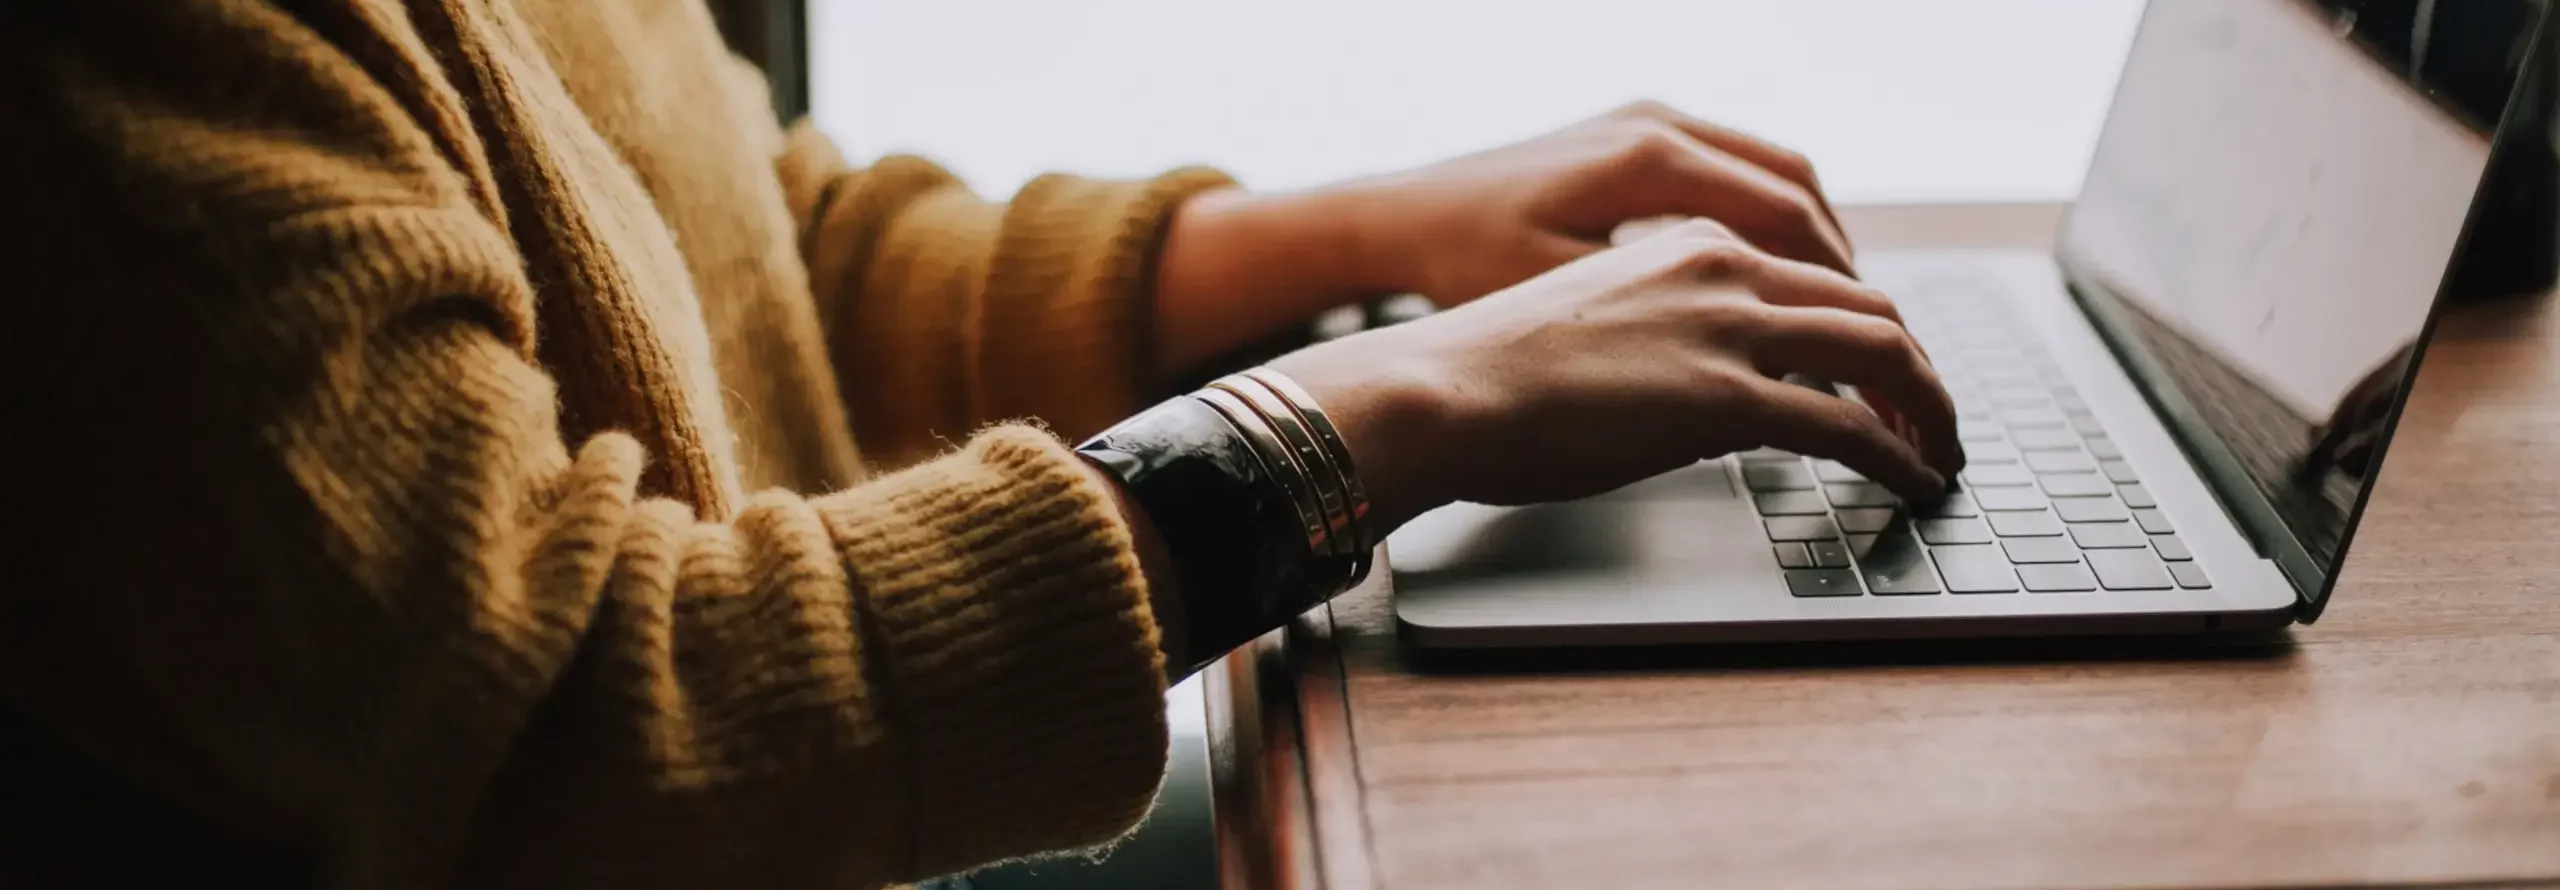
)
(2412, 738)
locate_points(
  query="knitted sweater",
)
(438, 430)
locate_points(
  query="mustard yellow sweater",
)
(435, 441)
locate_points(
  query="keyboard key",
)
(1975, 568)
(2109, 536)
(1866, 520)
(2046, 440)
(1792, 555)
(2060, 462)
(2062, 578)
(2071, 404)
(2105, 448)
(2087, 424)
(2136, 496)
(1977, 453)
(1790, 503)
(1835, 471)
(2171, 548)
(2000, 499)
(1860, 494)
(1953, 531)
(1829, 554)
(2025, 525)
(1860, 543)
(1957, 505)
(1801, 528)
(2040, 550)
(2032, 418)
(2128, 570)
(1895, 564)
(2189, 575)
(2118, 472)
(1998, 476)
(1769, 455)
(2016, 400)
(2063, 390)
(2075, 485)
(1974, 431)
(2090, 510)
(2153, 521)
(1994, 356)
(1777, 477)
(2007, 375)
(1822, 582)
(1978, 413)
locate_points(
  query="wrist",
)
(1392, 417)
(1323, 246)
(1239, 267)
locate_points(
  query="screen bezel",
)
(2222, 471)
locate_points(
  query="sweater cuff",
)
(1067, 323)
(1008, 620)
(809, 167)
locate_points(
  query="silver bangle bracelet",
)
(1355, 495)
(1305, 454)
(1294, 481)
(1312, 445)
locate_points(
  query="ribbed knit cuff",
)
(1006, 619)
(1066, 320)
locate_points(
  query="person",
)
(470, 443)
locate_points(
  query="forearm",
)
(1239, 267)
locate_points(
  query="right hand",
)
(1629, 363)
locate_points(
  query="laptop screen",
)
(2276, 195)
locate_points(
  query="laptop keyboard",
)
(2047, 503)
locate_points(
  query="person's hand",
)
(1629, 363)
(1238, 266)
(1463, 228)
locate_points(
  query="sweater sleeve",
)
(944, 311)
(303, 547)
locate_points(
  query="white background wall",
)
(1895, 100)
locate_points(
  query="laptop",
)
(2171, 418)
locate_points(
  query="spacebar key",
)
(1895, 563)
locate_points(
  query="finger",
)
(1635, 230)
(1762, 153)
(1785, 282)
(1762, 208)
(1793, 418)
(1872, 354)
(1777, 215)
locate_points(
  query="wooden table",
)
(2411, 738)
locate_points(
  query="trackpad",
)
(1683, 523)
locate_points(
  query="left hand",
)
(1240, 266)
(1464, 228)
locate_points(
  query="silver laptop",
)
(2171, 418)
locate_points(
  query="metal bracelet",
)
(1311, 457)
(1293, 480)
(1355, 495)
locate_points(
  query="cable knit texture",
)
(441, 421)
